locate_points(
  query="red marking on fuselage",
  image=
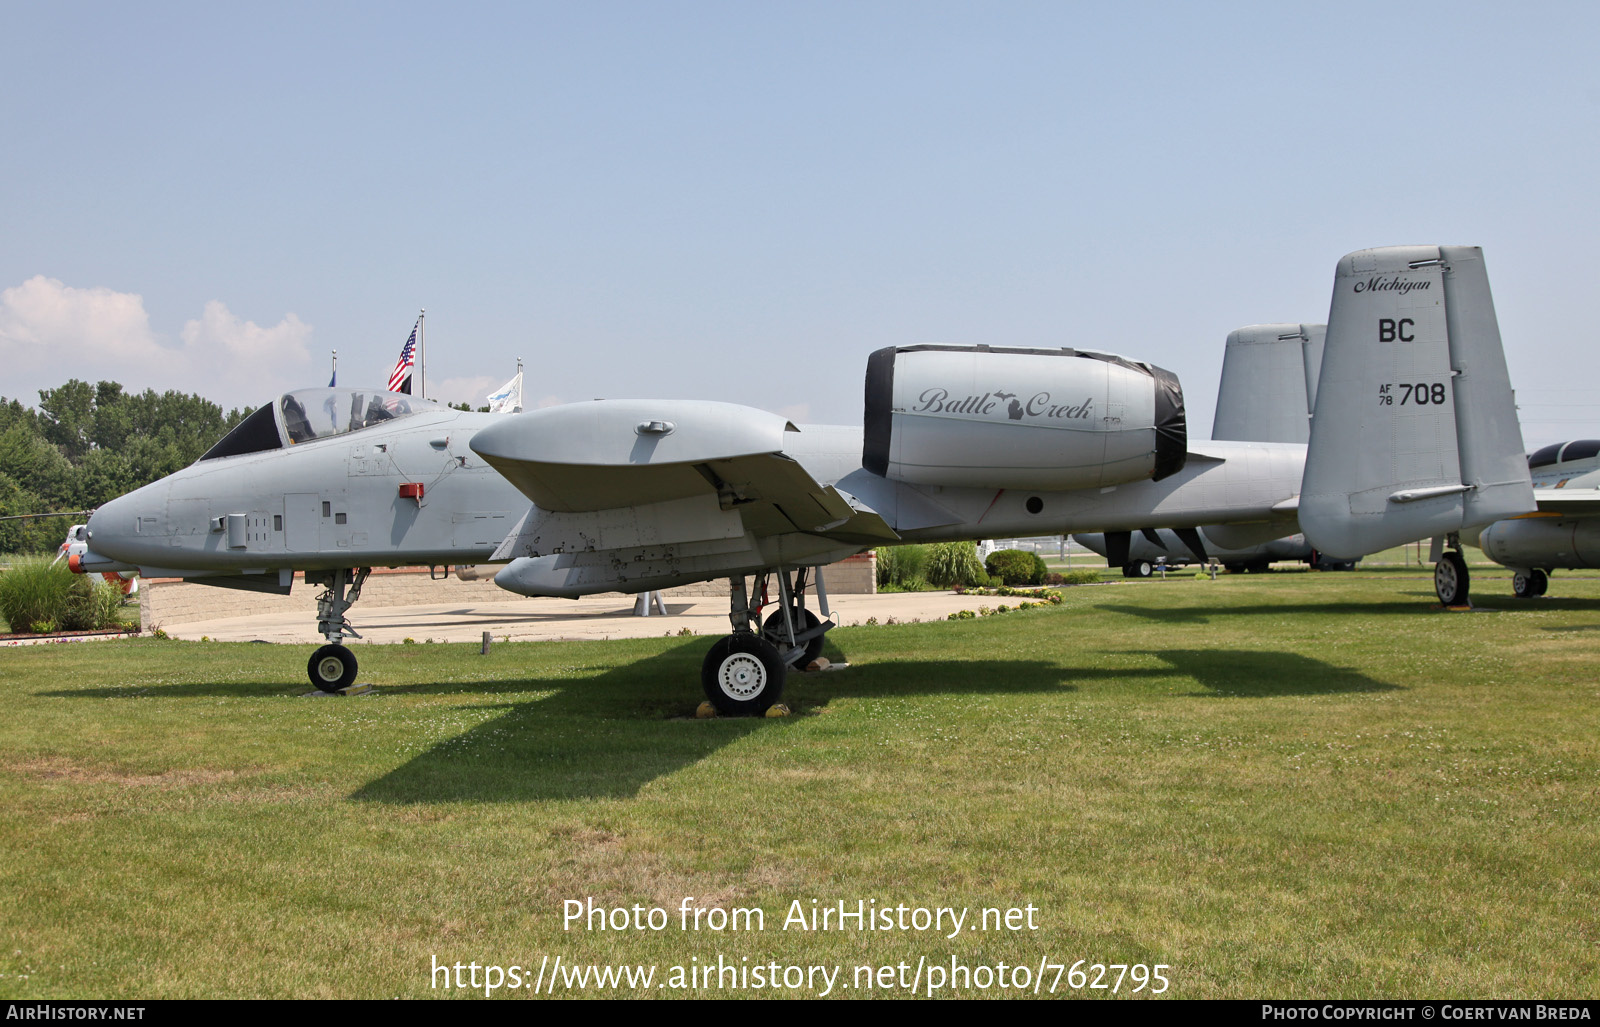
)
(992, 502)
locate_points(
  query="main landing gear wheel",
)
(1451, 582)
(1137, 569)
(1530, 584)
(743, 675)
(332, 667)
(804, 620)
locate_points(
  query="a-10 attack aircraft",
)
(1266, 393)
(1564, 532)
(1150, 548)
(1415, 435)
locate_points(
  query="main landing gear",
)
(1528, 584)
(1451, 582)
(743, 674)
(333, 666)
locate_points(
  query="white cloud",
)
(46, 323)
(235, 354)
(51, 331)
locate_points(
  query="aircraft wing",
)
(624, 474)
(1566, 501)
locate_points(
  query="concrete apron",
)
(524, 620)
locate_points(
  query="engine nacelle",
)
(1542, 542)
(1047, 419)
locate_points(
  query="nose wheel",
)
(332, 667)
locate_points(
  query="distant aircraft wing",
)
(624, 474)
(1558, 501)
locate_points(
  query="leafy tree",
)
(68, 417)
(85, 445)
(37, 466)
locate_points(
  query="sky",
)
(741, 201)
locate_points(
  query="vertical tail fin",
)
(1269, 383)
(1415, 432)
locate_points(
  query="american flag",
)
(400, 377)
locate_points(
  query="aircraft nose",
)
(114, 528)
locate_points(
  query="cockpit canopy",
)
(307, 414)
(1562, 452)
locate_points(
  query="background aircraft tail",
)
(1269, 383)
(1415, 431)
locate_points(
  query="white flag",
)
(508, 400)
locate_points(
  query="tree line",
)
(84, 445)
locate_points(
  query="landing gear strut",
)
(744, 673)
(333, 666)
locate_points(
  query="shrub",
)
(900, 566)
(36, 592)
(1084, 577)
(954, 563)
(1016, 567)
(90, 605)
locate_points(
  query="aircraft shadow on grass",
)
(610, 735)
(1262, 673)
(1204, 614)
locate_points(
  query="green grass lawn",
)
(1278, 785)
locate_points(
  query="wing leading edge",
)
(637, 492)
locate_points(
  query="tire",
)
(1451, 582)
(1524, 585)
(331, 668)
(1138, 569)
(1541, 582)
(772, 631)
(742, 675)
(1233, 568)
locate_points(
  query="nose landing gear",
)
(333, 666)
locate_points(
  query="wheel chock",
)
(705, 711)
(777, 709)
(364, 689)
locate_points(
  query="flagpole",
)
(422, 350)
(335, 375)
